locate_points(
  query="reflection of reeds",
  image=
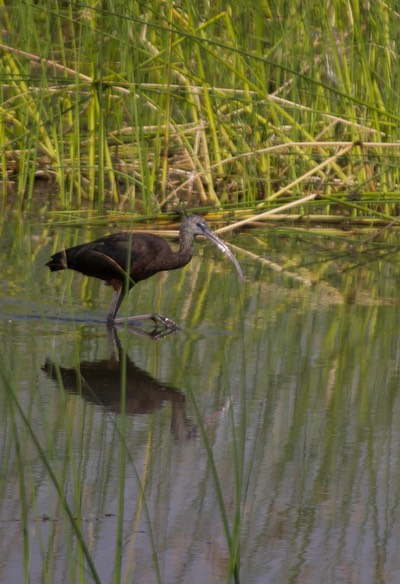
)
(21, 424)
(152, 110)
(292, 388)
(244, 111)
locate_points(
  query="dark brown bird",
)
(124, 259)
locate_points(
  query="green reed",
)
(241, 398)
(152, 107)
(21, 425)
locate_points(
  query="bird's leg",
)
(158, 319)
(116, 301)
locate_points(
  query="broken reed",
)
(149, 109)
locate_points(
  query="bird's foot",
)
(165, 321)
(158, 319)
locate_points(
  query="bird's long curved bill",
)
(224, 248)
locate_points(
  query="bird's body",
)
(108, 258)
(125, 258)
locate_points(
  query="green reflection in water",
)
(293, 387)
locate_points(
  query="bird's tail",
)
(58, 261)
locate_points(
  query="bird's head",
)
(196, 225)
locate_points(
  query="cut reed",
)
(140, 107)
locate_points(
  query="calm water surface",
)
(277, 407)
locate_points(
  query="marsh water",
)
(267, 429)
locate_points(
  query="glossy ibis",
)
(124, 259)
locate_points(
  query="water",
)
(281, 394)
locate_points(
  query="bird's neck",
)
(173, 260)
(185, 251)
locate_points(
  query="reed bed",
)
(156, 108)
(122, 112)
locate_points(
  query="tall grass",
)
(151, 107)
(22, 425)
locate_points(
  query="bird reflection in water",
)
(99, 382)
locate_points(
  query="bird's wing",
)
(111, 263)
(98, 264)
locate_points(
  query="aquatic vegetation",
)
(150, 109)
